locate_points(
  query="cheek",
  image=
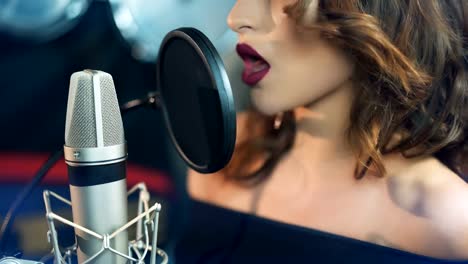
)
(319, 72)
(303, 75)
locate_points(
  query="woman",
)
(352, 103)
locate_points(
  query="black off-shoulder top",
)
(214, 234)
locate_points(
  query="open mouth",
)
(255, 66)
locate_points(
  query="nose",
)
(248, 15)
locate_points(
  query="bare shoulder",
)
(427, 188)
(203, 186)
(215, 189)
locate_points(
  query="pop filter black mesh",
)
(197, 100)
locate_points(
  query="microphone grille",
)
(93, 113)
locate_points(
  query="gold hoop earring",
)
(278, 121)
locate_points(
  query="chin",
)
(267, 105)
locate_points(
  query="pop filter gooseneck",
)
(196, 100)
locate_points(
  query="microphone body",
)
(95, 152)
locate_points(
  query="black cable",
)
(24, 194)
(152, 100)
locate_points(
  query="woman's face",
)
(286, 67)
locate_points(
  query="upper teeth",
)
(259, 65)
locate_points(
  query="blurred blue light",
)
(145, 23)
(40, 20)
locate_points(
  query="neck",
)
(321, 130)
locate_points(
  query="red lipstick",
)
(255, 66)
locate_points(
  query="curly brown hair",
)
(411, 78)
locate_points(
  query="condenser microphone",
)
(95, 152)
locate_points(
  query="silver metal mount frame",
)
(146, 221)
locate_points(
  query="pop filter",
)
(196, 100)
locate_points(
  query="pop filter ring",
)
(220, 81)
